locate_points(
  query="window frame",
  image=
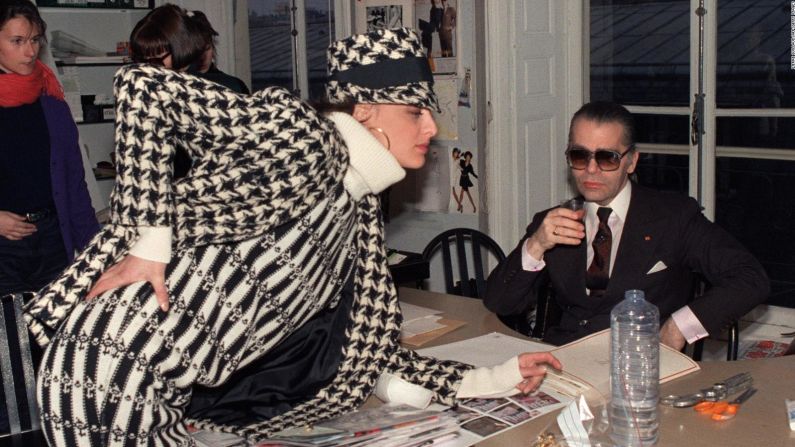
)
(702, 185)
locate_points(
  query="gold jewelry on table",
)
(545, 439)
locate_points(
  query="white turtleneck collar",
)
(372, 168)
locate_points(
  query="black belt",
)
(37, 215)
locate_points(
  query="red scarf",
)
(16, 90)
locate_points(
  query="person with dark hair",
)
(170, 30)
(456, 163)
(167, 37)
(45, 209)
(205, 67)
(465, 182)
(627, 237)
(446, 29)
(279, 261)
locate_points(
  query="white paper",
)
(395, 258)
(420, 326)
(570, 423)
(768, 323)
(418, 320)
(413, 312)
(486, 350)
(446, 89)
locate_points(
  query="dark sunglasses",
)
(579, 158)
(157, 60)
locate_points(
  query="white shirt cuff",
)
(493, 382)
(689, 325)
(153, 244)
(529, 263)
(391, 388)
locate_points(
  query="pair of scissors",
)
(722, 410)
(718, 391)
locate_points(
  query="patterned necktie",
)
(598, 273)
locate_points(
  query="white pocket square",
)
(658, 267)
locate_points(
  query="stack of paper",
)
(421, 324)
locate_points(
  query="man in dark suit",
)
(626, 237)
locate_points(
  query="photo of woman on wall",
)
(465, 182)
(456, 168)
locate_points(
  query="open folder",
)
(586, 362)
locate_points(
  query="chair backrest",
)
(472, 277)
(733, 333)
(16, 369)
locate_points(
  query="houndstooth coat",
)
(261, 161)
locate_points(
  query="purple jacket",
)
(69, 191)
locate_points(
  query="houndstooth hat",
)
(383, 66)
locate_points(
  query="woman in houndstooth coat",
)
(276, 225)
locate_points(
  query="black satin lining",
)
(387, 73)
(292, 372)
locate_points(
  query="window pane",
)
(270, 43)
(663, 172)
(778, 133)
(754, 204)
(754, 54)
(640, 52)
(320, 33)
(661, 129)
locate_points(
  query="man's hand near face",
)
(560, 226)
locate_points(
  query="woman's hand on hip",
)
(15, 227)
(130, 270)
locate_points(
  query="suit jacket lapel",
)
(639, 238)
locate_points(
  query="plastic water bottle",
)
(634, 371)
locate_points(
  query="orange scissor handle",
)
(704, 406)
(727, 414)
(711, 407)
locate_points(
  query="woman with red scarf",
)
(45, 209)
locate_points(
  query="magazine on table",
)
(479, 419)
(384, 426)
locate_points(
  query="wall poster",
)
(463, 181)
(383, 14)
(446, 89)
(436, 22)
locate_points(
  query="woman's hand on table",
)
(130, 270)
(533, 367)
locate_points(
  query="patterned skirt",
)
(120, 371)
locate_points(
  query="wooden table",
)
(761, 421)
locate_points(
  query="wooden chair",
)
(460, 242)
(463, 245)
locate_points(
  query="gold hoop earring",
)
(381, 131)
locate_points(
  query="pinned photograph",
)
(373, 15)
(436, 22)
(465, 197)
(485, 426)
(446, 88)
(512, 414)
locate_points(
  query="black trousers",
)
(31, 263)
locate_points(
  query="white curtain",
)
(221, 14)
